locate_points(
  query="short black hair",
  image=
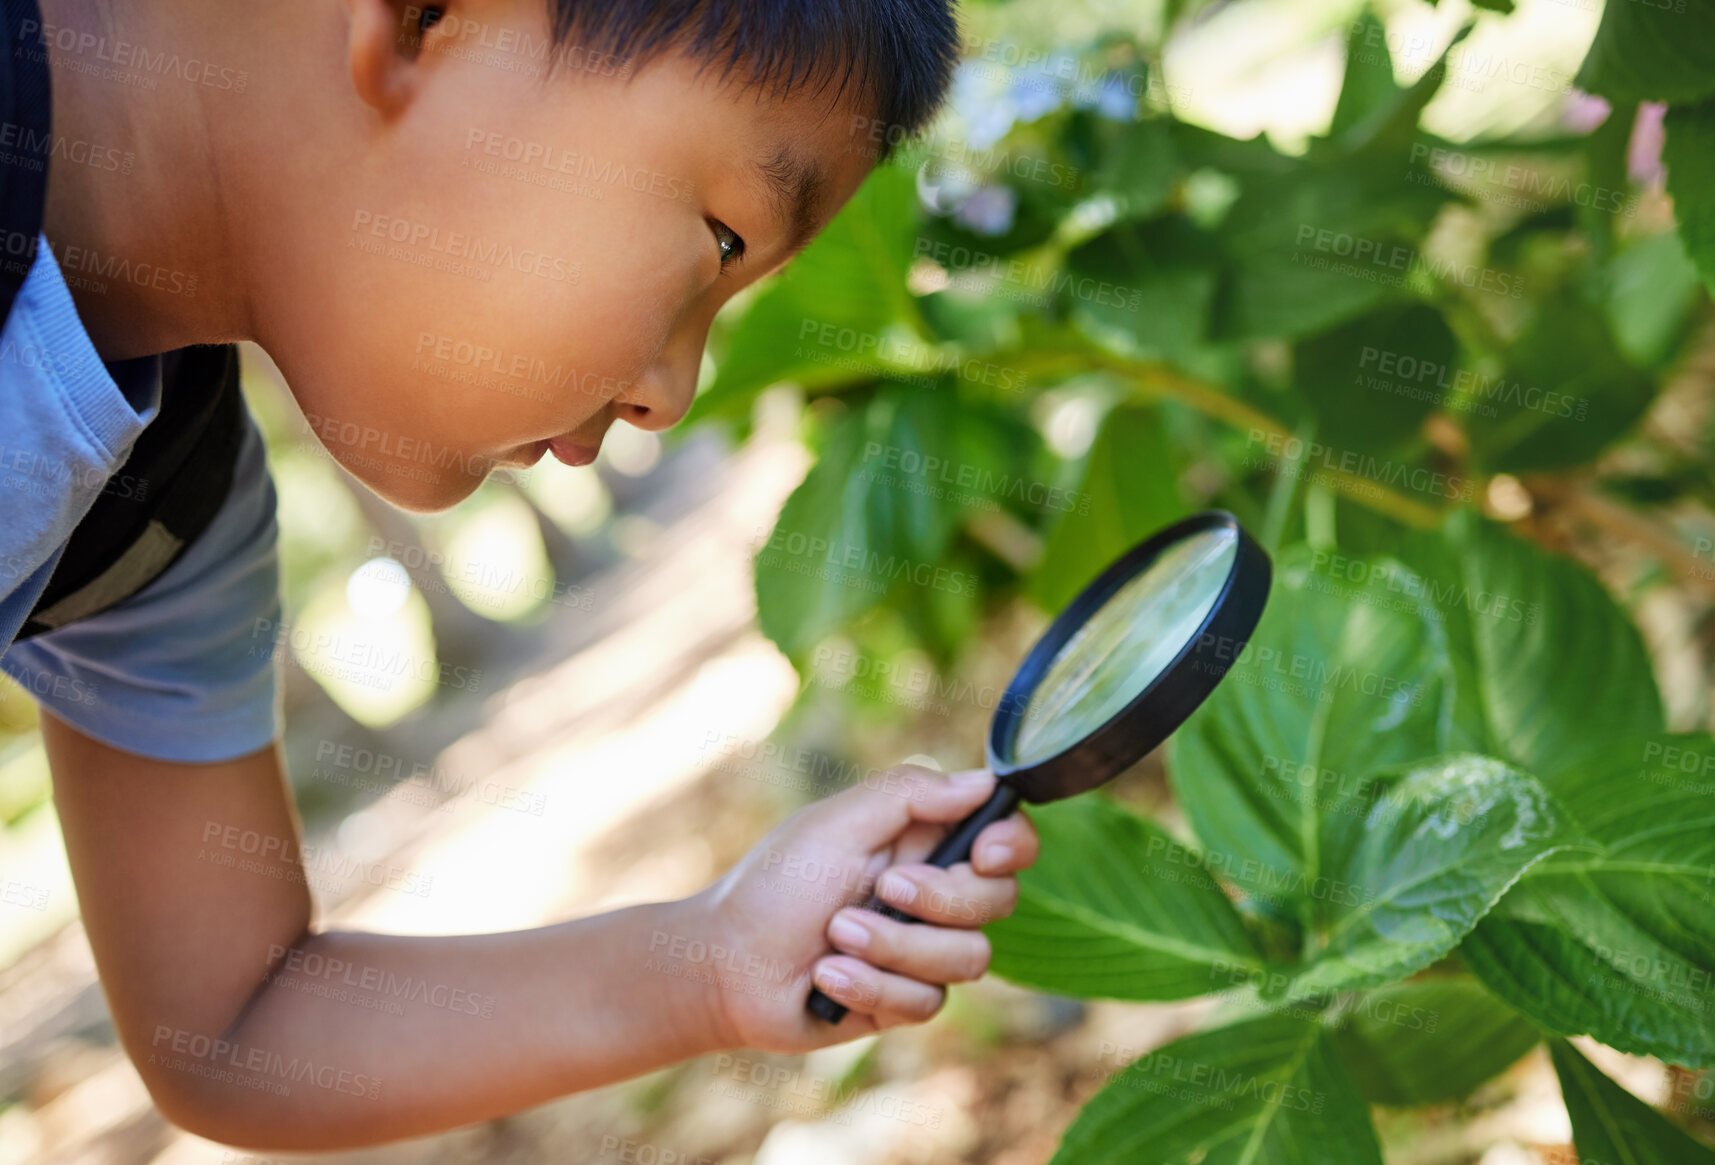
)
(900, 52)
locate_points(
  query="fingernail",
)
(970, 777)
(848, 933)
(996, 855)
(896, 888)
(832, 981)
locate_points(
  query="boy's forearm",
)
(361, 1038)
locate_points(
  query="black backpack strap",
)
(25, 117)
(169, 489)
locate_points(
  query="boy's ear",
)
(386, 38)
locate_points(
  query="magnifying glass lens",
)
(1129, 641)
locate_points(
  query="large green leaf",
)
(1565, 393)
(1689, 154)
(1372, 382)
(1115, 908)
(1277, 771)
(1652, 52)
(1128, 492)
(1652, 288)
(1430, 1041)
(838, 312)
(869, 517)
(1609, 1124)
(1511, 610)
(1621, 945)
(1436, 854)
(1268, 1092)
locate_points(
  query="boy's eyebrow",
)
(793, 186)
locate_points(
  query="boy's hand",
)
(778, 912)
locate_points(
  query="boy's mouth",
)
(569, 453)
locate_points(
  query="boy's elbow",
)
(215, 1111)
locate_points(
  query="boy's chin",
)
(421, 489)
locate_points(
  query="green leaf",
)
(1128, 492)
(868, 518)
(1268, 1092)
(1436, 854)
(1430, 1041)
(1147, 289)
(1139, 166)
(1369, 83)
(1507, 608)
(1652, 52)
(830, 317)
(1621, 945)
(1278, 769)
(1652, 289)
(1689, 155)
(1117, 909)
(1566, 393)
(1372, 382)
(1610, 1124)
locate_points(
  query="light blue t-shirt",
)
(177, 671)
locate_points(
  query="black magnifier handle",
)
(953, 849)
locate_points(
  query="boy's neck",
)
(147, 172)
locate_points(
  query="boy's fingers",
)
(932, 954)
(957, 896)
(1007, 846)
(868, 991)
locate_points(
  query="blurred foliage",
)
(1081, 308)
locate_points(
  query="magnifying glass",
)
(1120, 668)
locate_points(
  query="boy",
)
(325, 177)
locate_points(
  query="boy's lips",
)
(569, 453)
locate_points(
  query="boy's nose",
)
(662, 396)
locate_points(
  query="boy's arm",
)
(249, 1028)
(244, 1036)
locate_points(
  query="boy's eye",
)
(732, 247)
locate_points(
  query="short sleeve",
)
(183, 670)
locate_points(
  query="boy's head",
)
(521, 217)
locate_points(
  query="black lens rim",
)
(1154, 713)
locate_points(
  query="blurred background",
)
(1280, 256)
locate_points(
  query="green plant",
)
(1435, 815)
